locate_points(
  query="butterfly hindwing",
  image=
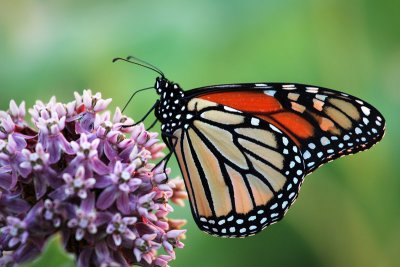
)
(242, 173)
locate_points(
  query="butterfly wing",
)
(325, 124)
(241, 172)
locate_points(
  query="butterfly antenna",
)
(139, 62)
(137, 91)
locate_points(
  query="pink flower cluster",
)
(80, 173)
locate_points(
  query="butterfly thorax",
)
(172, 105)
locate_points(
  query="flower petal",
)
(106, 198)
(102, 182)
(84, 257)
(123, 203)
(40, 186)
(99, 167)
(117, 239)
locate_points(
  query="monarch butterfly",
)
(244, 149)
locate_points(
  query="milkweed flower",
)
(79, 173)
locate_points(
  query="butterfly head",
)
(171, 103)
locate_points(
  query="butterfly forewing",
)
(324, 123)
(241, 172)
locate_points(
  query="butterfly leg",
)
(171, 144)
(152, 125)
(145, 116)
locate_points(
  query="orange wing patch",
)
(245, 101)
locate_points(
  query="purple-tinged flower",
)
(85, 219)
(53, 212)
(145, 247)
(109, 135)
(10, 159)
(162, 261)
(142, 137)
(37, 161)
(138, 155)
(17, 113)
(78, 185)
(88, 106)
(117, 187)
(11, 204)
(158, 173)
(92, 102)
(122, 120)
(119, 229)
(82, 174)
(37, 166)
(39, 108)
(146, 206)
(87, 156)
(8, 128)
(15, 232)
(171, 240)
(50, 127)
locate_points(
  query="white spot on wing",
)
(365, 110)
(288, 86)
(325, 141)
(285, 141)
(270, 92)
(230, 109)
(311, 89)
(255, 121)
(274, 206)
(321, 97)
(274, 128)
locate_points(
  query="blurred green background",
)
(348, 211)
